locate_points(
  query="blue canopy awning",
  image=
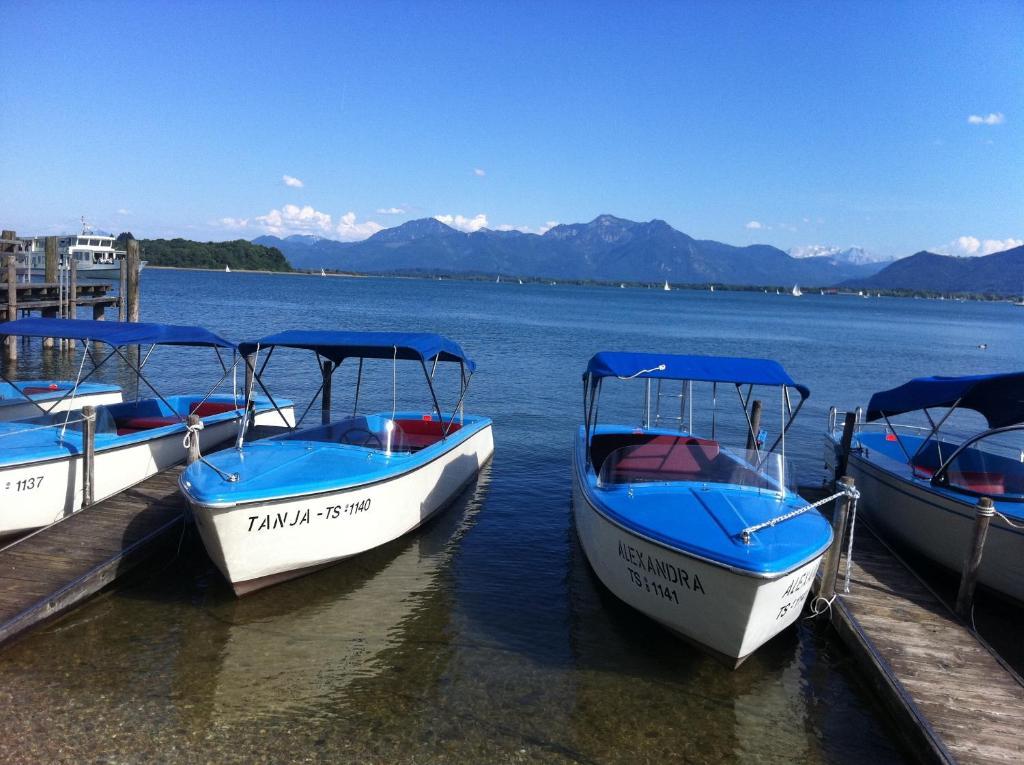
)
(338, 346)
(999, 398)
(669, 366)
(115, 333)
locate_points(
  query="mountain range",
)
(1001, 273)
(607, 248)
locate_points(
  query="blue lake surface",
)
(482, 637)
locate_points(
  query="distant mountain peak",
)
(412, 230)
(856, 256)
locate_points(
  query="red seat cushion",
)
(669, 454)
(983, 483)
(210, 408)
(146, 423)
(422, 433)
(34, 390)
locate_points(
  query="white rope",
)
(745, 534)
(659, 368)
(820, 605)
(394, 382)
(1007, 520)
(854, 496)
(74, 390)
(192, 431)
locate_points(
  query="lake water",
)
(482, 637)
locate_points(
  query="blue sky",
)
(792, 124)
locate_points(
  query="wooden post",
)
(325, 397)
(983, 513)
(133, 280)
(12, 303)
(849, 425)
(122, 291)
(755, 425)
(250, 372)
(88, 454)
(50, 269)
(840, 517)
(72, 311)
(193, 441)
(50, 277)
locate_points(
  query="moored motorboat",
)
(920, 481)
(275, 509)
(707, 540)
(30, 398)
(41, 458)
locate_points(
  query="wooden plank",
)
(950, 696)
(48, 572)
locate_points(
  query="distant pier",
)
(60, 294)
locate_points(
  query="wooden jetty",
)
(950, 695)
(51, 570)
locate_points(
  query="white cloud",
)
(234, 223)
(479, 172)
(349, 229)
(463, 223)
(391, 211)
(753, 225)
(291, 180)
(971, 246)
(123, 211)
(292, 219)
(994, 118)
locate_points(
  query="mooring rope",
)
(745, 534)
(854, 496)
(192, 432)
(1007, 520)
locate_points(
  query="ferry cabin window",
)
(94, 242)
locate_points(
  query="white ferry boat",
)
(94, 254)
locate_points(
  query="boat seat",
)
(35, 390)
(981, 482)
(126, 425)
(420, 434)
(210, 408)
(668, 457)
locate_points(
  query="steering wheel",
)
(369, 438)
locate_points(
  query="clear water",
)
(483, 637)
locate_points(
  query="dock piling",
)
(849, 425)
(840, 518)
(983, 513)
(12, 303)
(133, 280)
(755, 425)
(193, 441)
(88, 454)
(325, 399)
(122, 290)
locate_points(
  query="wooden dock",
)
(953, 699)
(48, 572)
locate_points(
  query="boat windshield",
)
(692, 460)
(991, 466)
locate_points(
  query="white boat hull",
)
(938, 526)
(21, 410)
(258, 544)
(727, 612)
(36, 494)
